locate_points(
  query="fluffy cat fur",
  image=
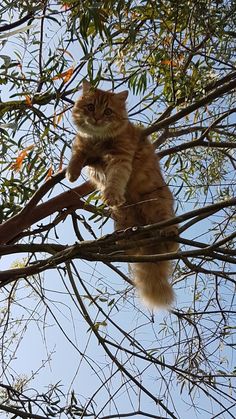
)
(124, 167)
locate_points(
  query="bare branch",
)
(216, 93)
(19, 22)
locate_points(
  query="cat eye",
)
(107, 111)
(90, 107)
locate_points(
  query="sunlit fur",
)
(124, 167)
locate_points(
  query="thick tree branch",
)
(116, 245)
(108, 248)
(32, 213)
(75, 252)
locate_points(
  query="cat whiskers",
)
(140, 202)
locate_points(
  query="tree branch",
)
(200, 141)
(216, 93)
(19, 22)
(108, 248)
(19, 413)
(32, 213)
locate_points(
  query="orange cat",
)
(124, 167)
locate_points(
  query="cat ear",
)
(122, 95)
(86, 86)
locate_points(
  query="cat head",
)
(101, 114)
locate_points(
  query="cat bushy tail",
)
(151, 280)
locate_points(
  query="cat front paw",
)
(73, 172)
(112, 197)
(71, 176)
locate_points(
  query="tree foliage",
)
(63, 272)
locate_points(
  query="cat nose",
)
(97, 118)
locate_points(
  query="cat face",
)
(100, 114)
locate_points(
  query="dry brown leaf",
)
(19, 159)
(66, 75)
